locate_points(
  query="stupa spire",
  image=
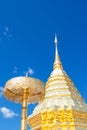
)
(57, 62)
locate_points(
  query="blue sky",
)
(27, 29)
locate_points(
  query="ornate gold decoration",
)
(63, 118)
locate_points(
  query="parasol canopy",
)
(14, 89)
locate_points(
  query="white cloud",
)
(30, 71)
(7, 113)
(15, 70)
(1, 91)
(5, 32)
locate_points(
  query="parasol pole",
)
(24, 111)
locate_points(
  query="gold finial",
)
(56, 40)
(57, 62)
(26, 74)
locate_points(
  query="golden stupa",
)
(62, 108)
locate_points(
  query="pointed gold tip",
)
(57, 62)
(56, 40)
